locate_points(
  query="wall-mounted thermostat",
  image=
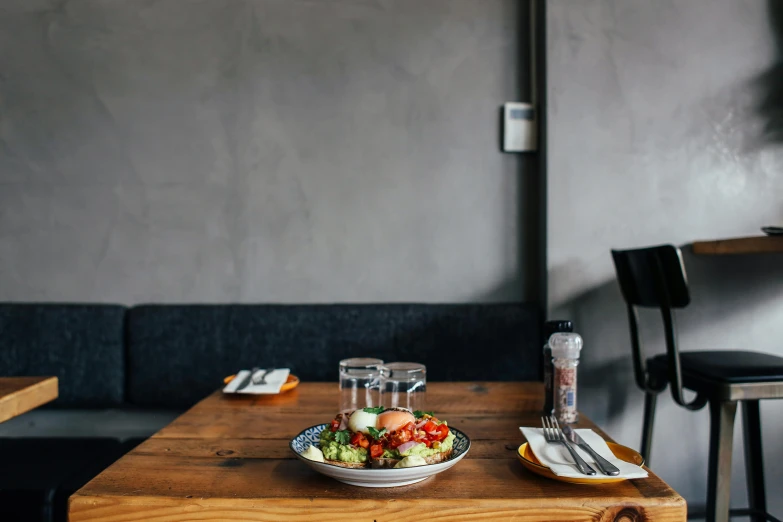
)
(519, 127)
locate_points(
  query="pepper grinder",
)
(551, 327)
(565, 359)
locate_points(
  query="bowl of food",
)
(377, 447)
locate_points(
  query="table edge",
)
(21, 395)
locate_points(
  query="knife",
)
(606, 467)
(246, 381)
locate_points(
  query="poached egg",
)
(392, 419)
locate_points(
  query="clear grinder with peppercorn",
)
(565, 358)
(551, 327)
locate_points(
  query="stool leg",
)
(647, 430)
(722, 415)
(754, 461)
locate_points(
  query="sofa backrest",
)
(81, 344)
(171, 356)
(177, 354)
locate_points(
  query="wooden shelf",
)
(739, 245)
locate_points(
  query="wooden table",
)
(227, 458)
(740, 245)
(22, 394)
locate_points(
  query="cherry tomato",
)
(334, 426)
(443, 432)
(422, 436)
(358, 439)
(376, 450)
(430, 427)
(400, 437)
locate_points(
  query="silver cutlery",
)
(262, 378)
(554, 435)
(606, 467)
(247, 380)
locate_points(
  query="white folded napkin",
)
(557, 458)
(274, 381)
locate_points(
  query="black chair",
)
(655, 278)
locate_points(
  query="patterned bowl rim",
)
(454, 455)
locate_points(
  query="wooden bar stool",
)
(655, 278)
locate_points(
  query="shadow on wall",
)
(726, 292)
(769, 84)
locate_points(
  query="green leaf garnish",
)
(342, 437)
(376, 410)
(419, 414)
(376, 434)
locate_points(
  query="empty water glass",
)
(404, 385)
(359, 383)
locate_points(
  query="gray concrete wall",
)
(664, 127)
(260, 150)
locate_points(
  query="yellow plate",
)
(529, 460)
(290, 383)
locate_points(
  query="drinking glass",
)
(359, 383)
(404, 385)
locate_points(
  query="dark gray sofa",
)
(167, 357)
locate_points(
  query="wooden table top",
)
(739, 245)
(227, 458)
(19, 395)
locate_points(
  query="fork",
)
(554, 435)
(262, 379)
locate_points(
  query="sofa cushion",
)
(179, 354)
(81, 344)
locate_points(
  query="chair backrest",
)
(652, 277)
